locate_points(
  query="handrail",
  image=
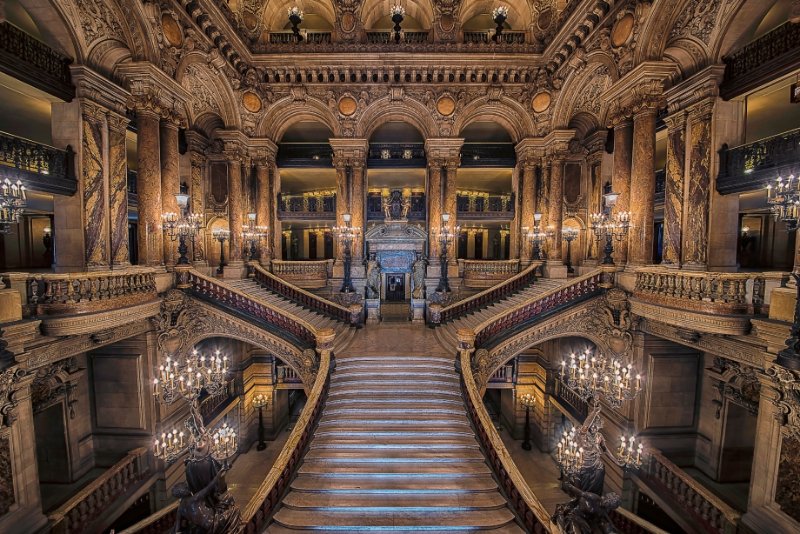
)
(157, 523)
(492, 294)
(262, 505)
(302, 271)
(521, 498)
(210, 289)
(579, 288)
(697, 499)
(306, 298)
(629, 523)
(89, 503)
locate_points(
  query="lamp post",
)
(398, 12)
(611, 226)
(446, 236)
(252, 236)
(13, 200)
(260, 401)
(182, 226)
(346, 234)
(221, 235)
(569, 235)
(499, 16)
(47, 241)
(536, 237)
(528, 401)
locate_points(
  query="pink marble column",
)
(621, 181)
(434, 198)
(643, 188)
(264, 206)
(673, 194)
(275, 226)
(527, 206)
(93, 187)
(556, 207)
(343, 177)
(698, 189)
(118, 190)
(197, 202)
(358, 202)
(449, 204)
(235, 206)
(170, 181)
(148, 187)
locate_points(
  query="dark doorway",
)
(479, 245)
(312, 245)
(395, 287)
(51, 444)
(328, 246)
(462, 246)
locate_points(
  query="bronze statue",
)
(587, 512)
(373, 278)
(418, 270)
(203, 518)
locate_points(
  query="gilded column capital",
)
(348, 152)
(447, 149)
(116, 122)
(702, 86)
(263, 152)
(196, 142)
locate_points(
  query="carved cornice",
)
(96, 88)
(701, 87)
(447, 150)
(691, 319)
(641, 88)
(152, 90)
(263, 151)
(234, 144)
(786, 385)
(349, 152)
(101, 321)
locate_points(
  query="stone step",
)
(390, 390)
(355, 501)
(511, 528)
(397, 431)
(392, 421)
(408, 454)
(381, 381)
(402, 521)
(395, 371)
(395, 485)
(393, 360)
(395, 469)
(392, 366)
(368, 401)
(390, 409)
(434, 443)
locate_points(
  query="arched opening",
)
(377, 18)
(307, 200)
(316, 25)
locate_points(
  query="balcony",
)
(41, 167)
(485, 37)
(375, 211)
(484, 206)
(305, 155)
(750, 167)
(488, 155)
(307, 206)
(408, 155)
(309, 37)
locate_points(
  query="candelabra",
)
(295, 18)
(182, 226)
(347, 234)
(536, 236)
(784, 200)
(446, 235)
(253, 235)
(398, 12)
(612, 226)
(499, 16)
(223, 444)
(592, 376)
(528, 401)
(221, 235)
(569, 235)
(260, 401)
(13, 200)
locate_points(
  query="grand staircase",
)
(394, 451)
(446, 333)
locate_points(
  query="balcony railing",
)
(485, 206)
(488, 154)
(309, 206)
(287, 375)
(486, 273)
(396, 155)
(35, 63)
(41, 167)
(504, 375)
(376, 211)
(485, 37)
(304, 274)
(752, 166)
(309, 37)
(77, 514)
(387, 37)
(571, 401)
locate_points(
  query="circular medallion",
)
(622, 30)
(347, 105)
(348, 22)
(250, 21)
(172, 30)
(541, 102)
(251, 102)
(447, 23)
(446, 106)
(545, 19)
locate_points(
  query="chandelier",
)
(223, 443)
(253, 235)
(12, 204)
(594, 376)
(612, 226)
(170, 447)
(182, 226)
(784, 200)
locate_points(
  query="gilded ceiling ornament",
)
(172, 30)
(622, 30)
(698, 20)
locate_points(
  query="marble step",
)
(345, 521)
(395, 485)
(392, 360)
(389, 390)
(397, 431)
(392, 421)
(409, 470)
(391, 409)
(408, 454)
(393, 503)
(368, 401)
(511, 528)
(381, 381)
(388, 365)
(395, 371)
(402, 442)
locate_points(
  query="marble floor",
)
(397, 339)
(251, 468)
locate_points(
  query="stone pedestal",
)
(782, 302)
(10, 305)
(373, 310)
(235, 270)
(555, 269)
(417, 310)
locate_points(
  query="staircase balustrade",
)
(92, 501)
(303, 273)
(287, 375)
(56, 294)
(627, 522)
(486, 273)
(269, 281)
(494, 329)
(705, 508)
(504, 375)
(489, 296)
(573, 402)
(281, 322)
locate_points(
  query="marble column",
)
(263, 207)
(343, 178)
(621, 181)
(197, 202)
(449, 205)
(643, 188)
(698, 189)
(275, 226)
(527, 207)
(148, 187)
(93, 187)
(235, 207)
(673, 194)
(434, 197)
(118, 190)
(556, 207)
(514, 228)
(358, 202)
(595, 205)
(170, 181)
(543, 196)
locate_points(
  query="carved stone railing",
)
(705, 292)
(352, 316)
(504, 375)
(487, 297)
(627, 522)
(308, 206)
(487, 273)
(33, 62)
(281, 323)
(755, 165)
(91, 502)
(387, 37)
(531, 513)
(309, 37)
(485, 206)
(262, 506)
(507, 37)
(41, 167)
(705, 508)
(73, 293)
(305, 274)
(158, 523)
(571, 401)
(499, 327)
(287, 375)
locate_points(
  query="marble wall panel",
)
(673, 195)
(695, 238)
(94, 199)
(118, 196)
